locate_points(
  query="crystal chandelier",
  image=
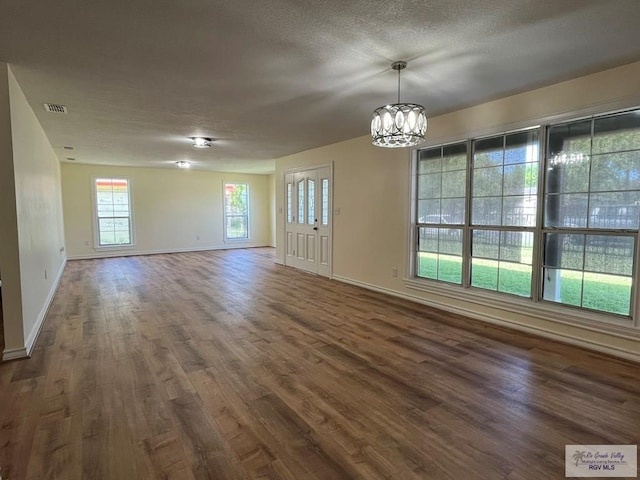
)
(398, 124)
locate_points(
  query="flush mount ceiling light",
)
(201, 142)
(183, 164)
(399, 124)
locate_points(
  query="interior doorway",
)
(308, 220)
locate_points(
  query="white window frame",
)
(597, 321)
(501, 228)
(224, 212)
(440, 225)
(96, 223)
(595, 231)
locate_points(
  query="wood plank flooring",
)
(222, 365)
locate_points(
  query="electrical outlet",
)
(86, 243)
(197, 238)
(394, 272)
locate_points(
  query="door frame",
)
(293, 171)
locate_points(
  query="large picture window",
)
(564, 231)
(236, 211)
(113, 212)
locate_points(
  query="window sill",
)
(128, 246)
(602, 323)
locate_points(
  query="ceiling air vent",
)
(55, 108)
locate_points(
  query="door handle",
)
(315, 228)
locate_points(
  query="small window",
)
(236, 211)
(113, 212)
(289, 203)
(325, 201)
(301, 202)
(311, 203)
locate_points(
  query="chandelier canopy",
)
(398, 124)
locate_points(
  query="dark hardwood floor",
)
(223, 365)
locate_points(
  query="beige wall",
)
(272, 209)
(32, 259)
(372, 193)
(9, 258)
(173, 210)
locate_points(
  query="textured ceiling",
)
(274, 77)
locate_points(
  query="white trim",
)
(633, 355)
(411, 212)
(35, 331)
(114, 247)
(585, 319)
(308, 167)
(96, 228)
(293, 171)
(635, 296)
(277, 261)
(226, 239)
(130, 253)
(16, 353)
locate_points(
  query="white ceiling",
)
(274, 77)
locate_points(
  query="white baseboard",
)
(277, 261)
(132, 253)
(632, 355)
(35, 331)
(15, 353)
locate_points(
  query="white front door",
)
(308, 220)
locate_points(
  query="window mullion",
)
(635, 295)
(538, 237)
(466, 245)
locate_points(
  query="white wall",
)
(372, 190)
(33, 257)
(173, 210)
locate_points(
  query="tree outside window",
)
(236, 211)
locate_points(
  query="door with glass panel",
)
(307, 222)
